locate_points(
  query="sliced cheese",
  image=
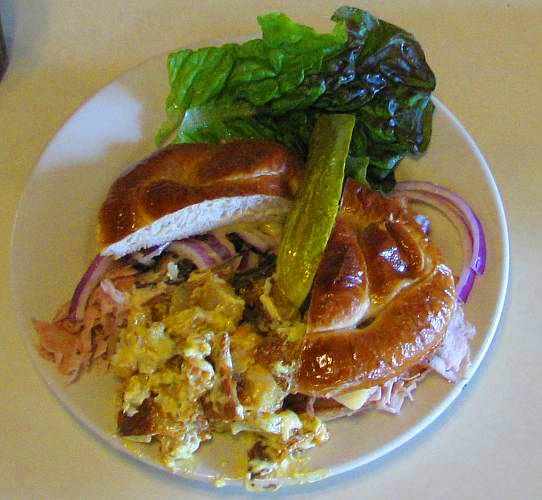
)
(356, 399)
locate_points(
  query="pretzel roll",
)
(340, 295)
(409, 304)
(184, 189)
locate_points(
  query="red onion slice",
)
(145, 257)
(197, 251)
(88, 283)
(465, 284)
(220, 245)
(449, 211)
(455, 208)
(258, 240)
(471, 220)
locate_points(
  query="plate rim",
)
(117, 444)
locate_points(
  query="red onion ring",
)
(145, 257)
(220, 245)
(197, 251)
(449, 211)
(471, 220)
(455, 208)
(86, 285)
(465, 283)
(258, 240)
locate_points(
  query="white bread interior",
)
(201, 218)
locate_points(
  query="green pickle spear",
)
(311, 219)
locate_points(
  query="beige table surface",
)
(488, 59)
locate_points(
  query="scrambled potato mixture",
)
(214, 358)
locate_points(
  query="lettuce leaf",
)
(274, 88)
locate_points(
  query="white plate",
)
(53, 243)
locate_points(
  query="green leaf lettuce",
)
(274, 87)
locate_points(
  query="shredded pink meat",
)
(101, 347)
(54, 339)
(451, 361)
(391, 396)
(75, 345)
(109, 288)
(121, 270)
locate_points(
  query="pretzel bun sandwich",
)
(381, 304)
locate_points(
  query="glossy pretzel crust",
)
(394, 299)
(180, 175)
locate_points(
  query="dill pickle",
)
(311, 219)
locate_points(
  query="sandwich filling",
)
(209, 345)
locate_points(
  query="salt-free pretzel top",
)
(382, 298)
(185, 188)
